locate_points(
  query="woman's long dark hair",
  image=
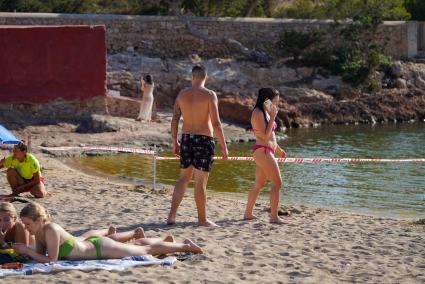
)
(148, 79)
(263, 95)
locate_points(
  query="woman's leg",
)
(270, 168)
(149, 241)
(124, 237)
(260, 182)
(113, 249)
(99, 233)
(14, 180)
(273, 174)
(39, 190)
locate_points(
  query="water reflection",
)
(396, 190)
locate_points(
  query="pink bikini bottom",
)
(266, 148)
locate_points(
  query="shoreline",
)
(234, 196)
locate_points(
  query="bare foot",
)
(278, 221)
(170, 239)
(249, 217)
(171, 220)
(208, 223)
(112, 230)
(192, 247)
(139, 233)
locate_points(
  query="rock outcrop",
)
(308, 96)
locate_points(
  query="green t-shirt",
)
(26, 169)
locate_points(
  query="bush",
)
(416, 8)
(296, 43)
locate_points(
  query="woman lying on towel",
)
(54, 243)
(11, 229)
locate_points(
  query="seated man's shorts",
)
(197, 150)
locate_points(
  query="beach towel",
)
(87, 265)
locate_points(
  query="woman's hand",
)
(2, 237)
(281, 152)
(272, 110)
(20, 248)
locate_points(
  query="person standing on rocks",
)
(199, 108)
(146, 86)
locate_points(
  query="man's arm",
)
(175, 126)
(2, 162)
(216, 124)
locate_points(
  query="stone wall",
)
(168, 36)
(16, 115)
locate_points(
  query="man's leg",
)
(14, 180)
(178, 193)
(201, 180)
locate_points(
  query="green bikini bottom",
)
(97, 245)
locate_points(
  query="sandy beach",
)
(319, 246)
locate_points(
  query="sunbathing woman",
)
(54, 243)
(11, 229)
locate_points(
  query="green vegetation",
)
(343, 9)
(354, 56)
(416, 8)
(296, 43)
(308, 9)
(222, 8)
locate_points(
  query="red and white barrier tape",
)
(317, 160)
(101, 148)
(280, 160)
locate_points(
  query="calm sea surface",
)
(392, 190)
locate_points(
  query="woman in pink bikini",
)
(263, 126)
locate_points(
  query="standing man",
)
(199, 108)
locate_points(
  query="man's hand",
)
(176, 149)
(224, 153)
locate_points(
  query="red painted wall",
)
(42, 63)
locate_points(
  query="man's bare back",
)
(194, 103)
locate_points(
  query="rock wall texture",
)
(169, 37)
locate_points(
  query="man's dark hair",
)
(199, 72)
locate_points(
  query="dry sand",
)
(320, 246)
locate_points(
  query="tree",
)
(416, 8)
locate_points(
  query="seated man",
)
(23, 172)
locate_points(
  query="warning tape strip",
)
(101, 148)
(280, 160)
(316, 160)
